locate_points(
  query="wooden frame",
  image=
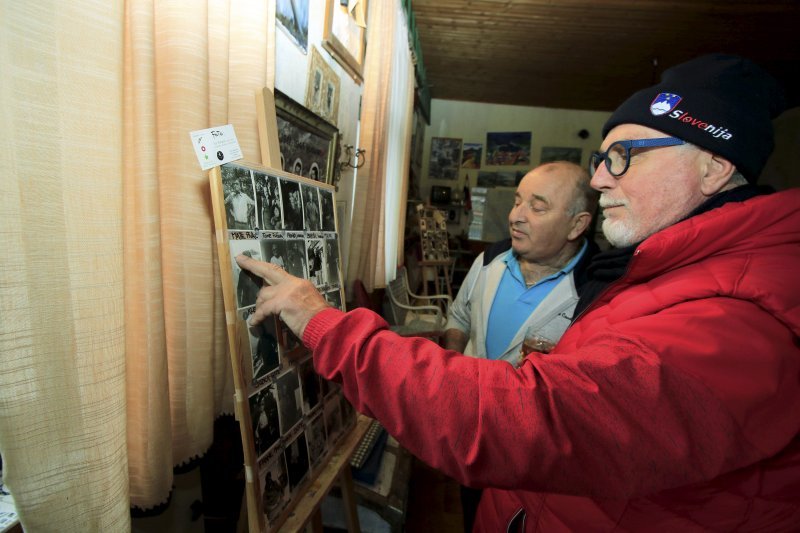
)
(279, 401)
(344, 38)
(322, 90)
(307, 139)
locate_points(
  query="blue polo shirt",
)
(514, 302)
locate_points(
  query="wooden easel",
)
(301, 506)
(441, 273)
(435, 249)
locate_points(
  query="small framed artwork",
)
(292, 17)
(322, 93)
(445, 158)
(471, 155)
(560, 153)
(344, 35)
(508, 148)
(308, 143)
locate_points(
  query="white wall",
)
(470, 121)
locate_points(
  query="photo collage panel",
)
(296, 417)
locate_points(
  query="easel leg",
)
(316, 521)
(349, 499)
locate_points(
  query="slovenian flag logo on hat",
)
(664, 103)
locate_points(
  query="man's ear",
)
(718, 172)
(580, 222)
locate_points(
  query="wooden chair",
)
(407, 317)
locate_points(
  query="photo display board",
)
(290, 418)
(433, 234)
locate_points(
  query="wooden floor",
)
(434, 502)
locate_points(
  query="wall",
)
(470, 121)
(291, 78)
(781, 170)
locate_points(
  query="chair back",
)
(397, 291)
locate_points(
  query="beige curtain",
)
(112, 333)
(385, 124)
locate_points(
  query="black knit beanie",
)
(722, 103)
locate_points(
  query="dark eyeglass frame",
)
(597, 157)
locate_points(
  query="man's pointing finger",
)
(271, 273)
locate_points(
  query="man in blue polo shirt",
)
(529, 281)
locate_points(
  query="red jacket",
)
(671, 404)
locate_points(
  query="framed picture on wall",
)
(292, 17)
(344, 35)
(322, 91)
(445, 158)
(308, 143)
(560, 153)
(508, 148)
(471, 155)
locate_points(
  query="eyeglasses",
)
(618, 156)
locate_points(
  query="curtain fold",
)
(208, 61)
(112, 332)
(398, 144)
(383, 135)
(62, 362)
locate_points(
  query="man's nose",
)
(602, 179)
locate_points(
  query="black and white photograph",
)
(292, 17)
(327, 387)
(313, 172)
(247, 285)
(322, 91)
(315, 436)
(326, 210)
(292, 205)
(289, 345)
(264, 415)
(296, 258)
(302, 149)
(274, 251)
(333, 417)
(297, 461)
(332, 261)
(316, 89)
(311, 208)
(264, 349)
(274, 487)
(268, 202)
(290, 409)
(310, 383)
(334, 298)
(314, 251)
(308, 140)
(348, 412)
(240, 205)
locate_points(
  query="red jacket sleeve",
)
(608, 420)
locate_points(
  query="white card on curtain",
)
(215, 146)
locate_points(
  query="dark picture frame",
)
(309, 144)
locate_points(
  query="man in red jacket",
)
(672, 403)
